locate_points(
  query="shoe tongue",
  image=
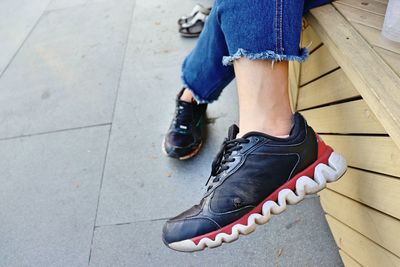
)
(232, 132)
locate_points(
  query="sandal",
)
(194, 27)
(196, 9)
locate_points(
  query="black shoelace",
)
(223, 157)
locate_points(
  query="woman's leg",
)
(263, 97)
(234, 31)
(256, 173)
(202, 70)
(205, 76)
(262, 84)
(259, 57)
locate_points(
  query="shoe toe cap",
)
(177, 139)
(182, 229)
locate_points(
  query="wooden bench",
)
(349, 91)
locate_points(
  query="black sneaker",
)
(184, 137)
(252, 178)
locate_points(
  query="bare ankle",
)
(278, 128)
(187, 96)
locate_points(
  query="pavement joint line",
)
(23, 43)
(47, 11)
(112, 119)
(163, 219)
(54, 131)
(133, 222)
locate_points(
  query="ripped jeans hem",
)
(216, 91)
(196, 97)
(202, 100)
(266, 55)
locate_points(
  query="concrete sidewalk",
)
(87, 91)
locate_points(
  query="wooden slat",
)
(375, 153)
(347, 260)
(296, 68)
(319, 63)
(374, 37)
(375, 21)
(378, 191)
(360, 16)
(362, 249)
(379, 227)
(377, 83)
(330, 88)
(349, 117)
(382, 1)
(293, 91)
(371, 6)
(310, 39)
(391, 58)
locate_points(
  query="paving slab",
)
(298, 237)
(154, 40)
(67, 72)
(17, 19)
(60, 4)
(48, 197)
(141, 183)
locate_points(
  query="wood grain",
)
(362, 249)
(378, 191)
(350, 117)
(374, 153)
(379, 227)
(377, 83)
(328, 89)
(319, 63)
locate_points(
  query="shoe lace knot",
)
(224, 157)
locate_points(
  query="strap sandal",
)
(198, 8)
(194, 27)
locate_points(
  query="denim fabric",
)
(255, 29)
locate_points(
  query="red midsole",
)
(324, 152)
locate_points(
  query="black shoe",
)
(184, 136)
(252, 178)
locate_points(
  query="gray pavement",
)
(87, 91)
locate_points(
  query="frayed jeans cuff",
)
(267, 55)
(197, 98)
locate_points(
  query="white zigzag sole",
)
(304, 186)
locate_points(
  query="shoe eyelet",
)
(256, 139)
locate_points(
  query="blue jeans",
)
(255, 29)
